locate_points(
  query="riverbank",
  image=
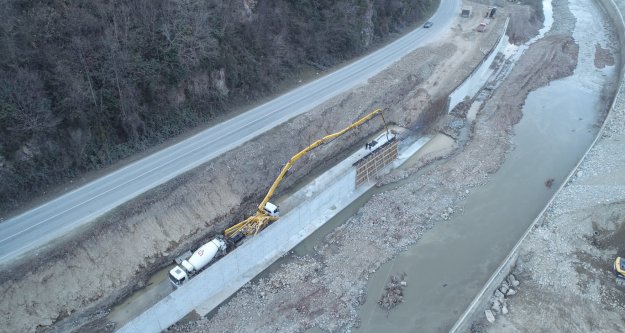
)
(326, 288)
(564, 263)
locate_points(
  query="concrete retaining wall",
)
(480, 303)
(480, 74)
(219, 281)
(307, 210)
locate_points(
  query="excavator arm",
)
(262, 218)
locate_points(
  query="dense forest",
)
(85, 83)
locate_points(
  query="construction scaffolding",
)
(370, 165)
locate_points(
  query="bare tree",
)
(24, 103)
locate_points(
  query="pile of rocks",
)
(500, 297)
(393, 292)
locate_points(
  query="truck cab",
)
(197, 261)
(177, 276)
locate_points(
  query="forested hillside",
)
(86, 83)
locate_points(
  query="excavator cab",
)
(619, 269)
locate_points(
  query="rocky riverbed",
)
(391, 221)
(564, 265)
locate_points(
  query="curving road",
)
(55, 218)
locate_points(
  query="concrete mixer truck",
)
(198, 260)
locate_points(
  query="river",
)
(450, 264)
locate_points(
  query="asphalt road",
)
(55, 218)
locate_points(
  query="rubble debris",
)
(513, 281)
(393, 292)
(499, 300)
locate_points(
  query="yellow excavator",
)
(619, 270)
(268, 212)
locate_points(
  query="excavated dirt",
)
(324, 289)
(73, 282)
(524, 24)
(603, 57)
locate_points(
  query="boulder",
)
(512, 280)
(499, 296)
(511, 292)
(490, 316)
(496, 308)
(504, 287)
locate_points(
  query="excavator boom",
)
(262, 218)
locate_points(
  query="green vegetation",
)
(86, 83)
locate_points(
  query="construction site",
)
(474, 185)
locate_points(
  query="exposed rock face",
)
(249, 6)
(219, 81)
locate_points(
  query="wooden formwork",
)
(368, 166)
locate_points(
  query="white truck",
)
(198, 260)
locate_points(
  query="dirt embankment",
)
(326, 288)
(603, 57)
(74, 282)
(525, 23)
